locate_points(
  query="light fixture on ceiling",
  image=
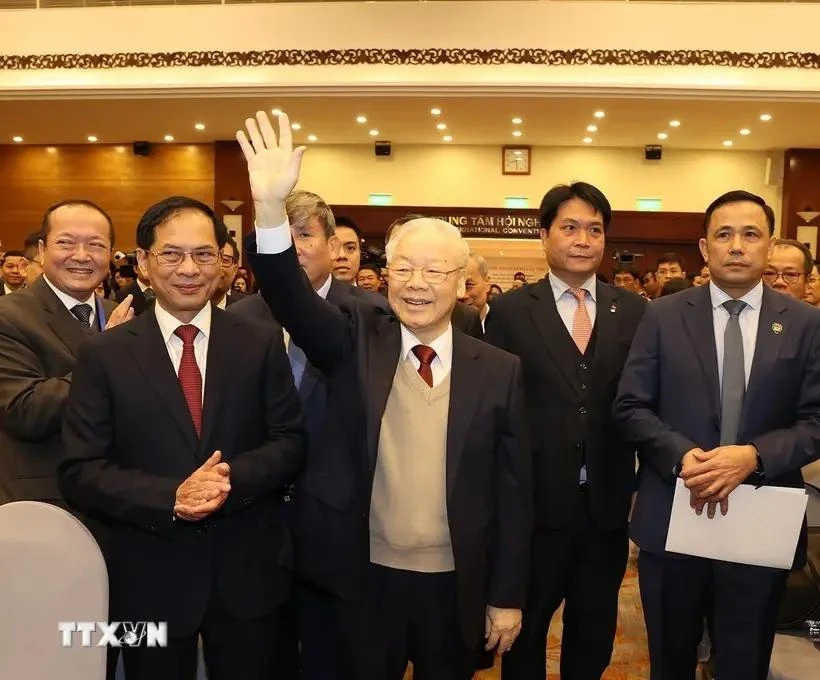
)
(599, 115)
(276, 112)
(447, 138)
(312, 138)
(232, 204)
(441, 126)
(745, 131)
(169, 138)
(199, 126)
(361, 120)
(373, 133)
(674, 123)
(766, 117)
(592, 128)
(17, 139)
(435, 111)
(517, 121)
(296, 126)
(728, 142)
(517, 133)
(663, 135)
(587, 140)
(91, 138)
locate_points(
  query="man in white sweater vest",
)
(415, 506)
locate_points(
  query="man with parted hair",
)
(349, 252)
(416, 409)
(790, 264)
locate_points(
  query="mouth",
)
(80, 271)
(341, 268)
(188, 288)
(414, 302)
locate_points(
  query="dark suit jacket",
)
(357, 346)
(39, 339)
(669, 398)
(234, 297)
(139, 303)
(570, 417)
(130, 442)
(467, 320)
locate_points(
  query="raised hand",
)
(273, 167)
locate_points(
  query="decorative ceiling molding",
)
(415, 57)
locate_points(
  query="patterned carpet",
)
(630, 660)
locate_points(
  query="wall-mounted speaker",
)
(653, 152)
(142, 148)
(383, 149)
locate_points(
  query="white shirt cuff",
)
(272, 241)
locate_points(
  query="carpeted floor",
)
(630, 660)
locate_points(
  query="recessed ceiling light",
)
(592, 128)
(312, 138)
(745, 131)
(435, 112)
(91, 138)
(599, 114)
(674, 123)
(276, 112)
(17, 139)
(373, 133)
(517, 133)
(447, 138)
(441, 126)
(51, 149)
(295, 126)
(200, 126)
(662, 135)
(517, 121)
(361, 120)
(587, 140)
(766, 117)
(728, 142)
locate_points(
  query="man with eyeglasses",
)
(229, 261)
(790, 264)
(414, 508)
(181, 430)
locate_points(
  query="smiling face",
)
(574, 243)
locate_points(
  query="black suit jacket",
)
(357, 346)
(39, 340)
(669, 398)
(130, 442)
(139, 304)
(570, 417)
(467, 320)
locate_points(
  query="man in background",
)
(790, 264)
(13, 272)
(225, 295)
(477, 286)
(140, 291)
(626, 277)
(349, 253)
(670, 266)
(370, 277)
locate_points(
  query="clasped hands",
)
(712, 475)
(205, 491)
(501, 628)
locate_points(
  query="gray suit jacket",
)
(39, 339)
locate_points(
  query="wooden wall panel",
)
(34, 177)
(801, 189)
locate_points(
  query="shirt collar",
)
(142, 286)
(325, 287)
(559, 287)
(69, 301)
(223, 302)
(168, 323)
(443, 344)
(754, 298)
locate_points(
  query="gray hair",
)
(483, 267)
(440, 227)
(301, 206)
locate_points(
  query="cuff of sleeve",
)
(273, 240)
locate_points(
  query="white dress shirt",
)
(442, 363)
(173, 343)
(482, 314)
(567, 303)
(7, 290)
(749, 320)
(70, 302)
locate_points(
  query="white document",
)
(761, 527)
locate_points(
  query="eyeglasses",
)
(770, 276)
(172, 258)
(429, 274)
(228, 260)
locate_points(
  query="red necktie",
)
(425, 355)
(190, 379)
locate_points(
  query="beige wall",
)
(470, 176)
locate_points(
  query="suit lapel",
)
(62, 322)
(151, 355)
(384, 348)
(699, 324)
(553, 331)
(606, 324)
(220, 355)
(466, 389)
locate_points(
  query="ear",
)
(142, 263)
(334, 245)
(703, 250)
(544, 239)
(41, 248)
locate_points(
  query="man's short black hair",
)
(342, 221)
(626, 269)
(161, 212)
(45, 226)
(231, 241)
(519, 276)
(738, 196)
(372, 266)
(562, 193)
(127, 271)
(675, 286)
(671, 258)
(31, 246)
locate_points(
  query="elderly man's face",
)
(476, 286)
(425, 301)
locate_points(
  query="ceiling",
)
(477, 120)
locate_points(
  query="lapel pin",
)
(777, 328)
(613, 309)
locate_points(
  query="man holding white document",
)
(721, 388)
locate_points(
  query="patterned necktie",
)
(83, 313)
(733, 388)
(425, 355)
(581, 323)
(189, 376)
(149, 296)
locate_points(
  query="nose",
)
(416, 280)
(737, 244)
(81, 253)
(188, 267)
(583, 238)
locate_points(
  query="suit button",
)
(583, 367)
(287, 498)
(582, 411)
(583, 386)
